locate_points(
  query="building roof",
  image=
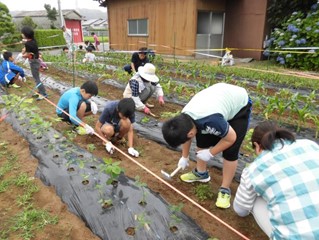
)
(103, 3)
(67, 14)
(89, 22)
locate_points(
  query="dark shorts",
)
(66, 118)
(240, 125)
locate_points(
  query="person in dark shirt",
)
(89, 44)
(138, 59)
(32, 53)
(115, 122)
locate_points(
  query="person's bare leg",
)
(81, 111)
(229, 170)
(201, 165)
(108, 131)
(124, 127)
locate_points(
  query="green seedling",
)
(112, 169)
(141, 185)
(106, 203)
(175, 210)
(170, 114)
(143, 222)
(90, 147)
(145, 120)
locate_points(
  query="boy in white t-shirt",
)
(218, 118)
(89, 56)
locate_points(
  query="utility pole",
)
(60, 13)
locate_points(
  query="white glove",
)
(88, 129)
(183, 162)
(94, 108)
(133, 152)
(109, 147)
(205, 155)
(24, 79)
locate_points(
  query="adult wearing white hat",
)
(142, 86)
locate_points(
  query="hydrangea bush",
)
(301, 30)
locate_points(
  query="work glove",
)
(183, 162)
(109, 147)
(88, 129)
(133, 152)
(205, 155)
(84, 130)
(161, 100)
(24, 79)
(94, 108)
(146, 110)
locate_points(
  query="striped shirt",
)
(288, 179)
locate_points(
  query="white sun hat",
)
(148, 72)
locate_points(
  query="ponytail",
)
(266, 133)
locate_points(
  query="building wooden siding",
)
(172, 24)
(245, 27)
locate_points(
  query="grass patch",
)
(204, 192)
(31, 220)
(102, 40)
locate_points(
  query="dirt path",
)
(69, 226)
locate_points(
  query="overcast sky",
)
(28, 5)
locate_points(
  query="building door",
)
(76, 28)
(210, 33)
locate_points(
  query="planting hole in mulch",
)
(142, 203)
(106, 205)
(115, 183)
(173, 229)
(93, 167)
(85, 182)
(71, 169)
(39, 137)
(55, 156)
(130, 231)
(80, 156)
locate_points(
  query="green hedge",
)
(49, 37)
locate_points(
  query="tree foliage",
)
(280, 10)
(52, 14)
(27, 21)
(6, 24)
(301, 30)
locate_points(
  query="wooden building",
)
(182, 26)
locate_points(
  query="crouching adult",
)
(115, 122)
(281, 187)
(142, 86)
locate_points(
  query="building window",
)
(137, 27)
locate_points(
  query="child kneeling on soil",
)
(116, 121)
(76, 104)
(9, 72)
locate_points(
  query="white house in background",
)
(91, 24)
